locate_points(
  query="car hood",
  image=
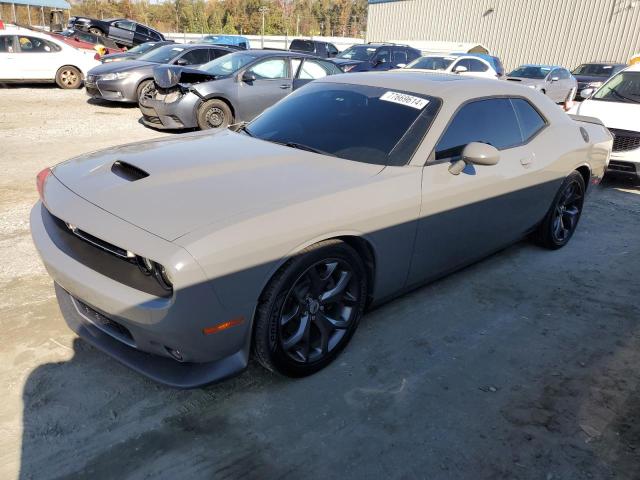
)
(202, 179)
(590, 78)
(167, 76)
(527, 81)
(113, 67)
(120, 55)
(623, 116)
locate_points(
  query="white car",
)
(472, 65)
(617, 105)
(30, 56)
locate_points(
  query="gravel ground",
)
(523, 366)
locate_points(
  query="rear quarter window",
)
(531, 122)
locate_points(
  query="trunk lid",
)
(170, 187)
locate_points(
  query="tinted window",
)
(596, 69)
(339, 119)
(126, 25)
(35, 45)
(474, 65)
(270, 69)
(530, 120)
(162, 54)
(491, 121)
(217, 53)
(142, 30)
(197, 56)
(301, 46)
(399, 56)
(6, 43)
(358, 52)
(530, 71)
(332, 49)
(624, 88)
(413, 54)
(563, 74)
(321, 50)
(383, 55)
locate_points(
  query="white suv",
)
(473, 65)
(617, 104)
(30, 56)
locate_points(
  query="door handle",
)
(526, 161)
(285, 86)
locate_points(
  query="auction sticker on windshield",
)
(404, 99)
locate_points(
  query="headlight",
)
(159, 272)
(115, 76)
(594, 84)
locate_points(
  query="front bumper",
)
(112, 90)
(175, 115)
(625, 163)
(137, 328)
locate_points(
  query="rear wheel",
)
(214, 113)
(310, 309)
(561, 220)
(69, 77)
(96, 31)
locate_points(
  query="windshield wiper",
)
(242, 127)
(616, 92)
(301, 146)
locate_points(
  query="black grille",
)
(152, 119)
(104, 323)
(624, 167)
(127, 171)
(625, 140)
(93, 91)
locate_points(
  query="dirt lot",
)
(523, 366)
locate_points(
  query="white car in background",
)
(470, 64)
(617, 105)
(30, 56)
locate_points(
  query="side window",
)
(35, 45)
(196, 56)
(126, 25)
(332, 49)
(311, 70)
(413, 54)
(217, 53)
(321, 49)
(383, 55)
(491, 121)
(6, 44)
(295, 64)
(270, 69)
(461, 63)
(476, 65)
(530, 120)
(554, 74)
(142, 30)
(399, 56)
(564, 74)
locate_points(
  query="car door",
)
(568, 83)
(37, 59)
(9, 61)
(308, 71)
(554, 86)
(467, 216)
(122, 31)
(272, 83)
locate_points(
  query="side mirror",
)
(555, 79)
(476, 153)
(248, 77)
(587, 92)
(460, 69)
(182, 62)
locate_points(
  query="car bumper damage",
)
(170, 109)
(180, 339)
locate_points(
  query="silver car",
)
(126, 81)
(234, 88)
(554, 81)
(182, 256)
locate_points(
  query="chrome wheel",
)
(318, 310)
(567, 212)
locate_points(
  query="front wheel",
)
(69, 77)
(561, 220)
(310, 309)
(214, 114)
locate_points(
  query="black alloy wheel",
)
(562, 219)
(310, 309)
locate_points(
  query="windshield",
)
(143, 47)
(344, 121)
(595, 70)
(358, 52)
(431, 63)
(227, 64)
(623, 88)
(162, 54)
(530, 72)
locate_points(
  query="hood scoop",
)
(127, 171)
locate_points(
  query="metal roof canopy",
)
(40, 3)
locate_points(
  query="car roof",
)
(541, 65)
(257, 52)
(427, 83)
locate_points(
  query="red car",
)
(87, 41)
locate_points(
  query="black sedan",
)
(594, 74)
(124, 32)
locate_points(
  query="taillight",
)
(41, 180)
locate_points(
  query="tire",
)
(310, 309)
(145, 87)
(562, 219)
(96, 31)
(68, 77)
(214, 113)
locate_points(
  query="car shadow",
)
(621, 181)
(108, 104)
(162, 130)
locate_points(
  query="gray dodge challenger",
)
(234, 88)
(181, 257)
